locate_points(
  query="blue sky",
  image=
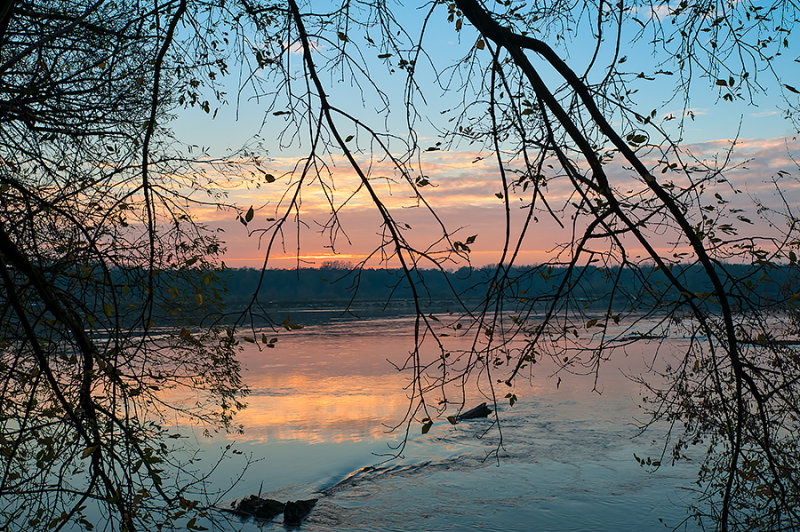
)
(465, 192)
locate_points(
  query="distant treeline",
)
(191, 296)
(336, 287)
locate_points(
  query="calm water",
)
(318, 416)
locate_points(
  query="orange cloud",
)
(461, 186)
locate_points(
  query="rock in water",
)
(479, 411)
(295, 511)
(258, 508)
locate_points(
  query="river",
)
(318, 426)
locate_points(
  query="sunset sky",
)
(464, 180)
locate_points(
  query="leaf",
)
(722, 83)
(480, 45)
(89, 451)
(199, 299)
(591, 323)
(791, 89)
(512, 398)
(426, 426)
(108, 309)
(289, 325)
(459, 23)
(452, 420)
(471, 239)
(384, 56)
(342, 36)
(249, 215)
(269, 178)
(349, 138)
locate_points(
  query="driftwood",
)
(266, 509)
(296, 511)
(258, 508)
(479, 411)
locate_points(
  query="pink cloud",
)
(463, 187)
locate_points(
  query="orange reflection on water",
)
(319, 409)
(327, 383)
(333, 383)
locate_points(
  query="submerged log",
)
(258, 508)
(296, 511)
(479, 411)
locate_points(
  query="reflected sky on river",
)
(339, 382)
(318, 421)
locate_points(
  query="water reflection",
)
(335, 382)
(322, 409)
(318, 414)
(327, 383)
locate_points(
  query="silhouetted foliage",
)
(94, 211)
(573, 147)
(98, 241)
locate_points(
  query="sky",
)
(464, 179)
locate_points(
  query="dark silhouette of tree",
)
(556, 131)
(98, 244)
(94, 210)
